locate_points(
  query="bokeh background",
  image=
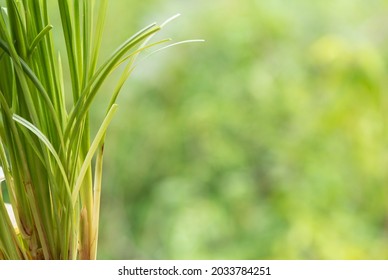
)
(268, 141)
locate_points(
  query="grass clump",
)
(46, 148)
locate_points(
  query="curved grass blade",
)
(27, 70)
(38, 39)
(93, 147)
(91, 89)
(48, 145)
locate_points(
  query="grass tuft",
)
(46, 148)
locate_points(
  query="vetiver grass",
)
(46, 148)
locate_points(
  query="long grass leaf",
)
(97, 199)
(48, 145)
(97, 140)
(27, 70)
(38, 39)
(82, 106)
(98, 35)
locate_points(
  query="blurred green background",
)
(268, 141)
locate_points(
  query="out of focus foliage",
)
(269, 141)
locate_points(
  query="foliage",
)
(46, 149)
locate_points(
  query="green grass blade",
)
(97, 199)
(98, 35)
(96, 142)
(48, 145)
(38, 39)
(90, 91)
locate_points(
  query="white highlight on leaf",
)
(11, 214)
(8, 206)
(2, 177)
